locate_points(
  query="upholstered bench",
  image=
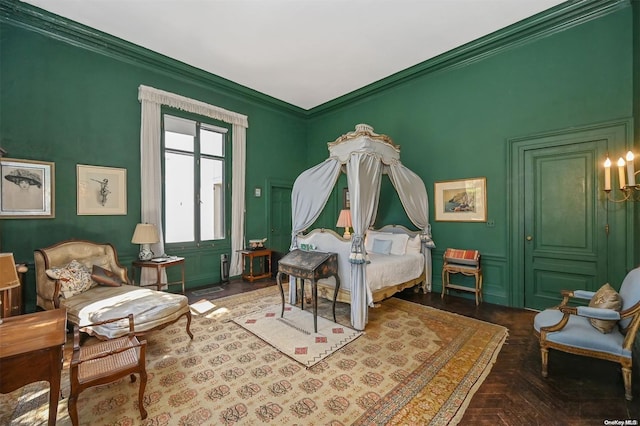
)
(87, 280)
(465, 262)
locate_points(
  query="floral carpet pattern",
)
(413, 365)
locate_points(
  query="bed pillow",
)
(370, 235)
(105, 277)
(608, 298)
(381, 246)
(74, 278)
(414, 245)
(399, 241)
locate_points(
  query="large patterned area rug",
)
(414, 365)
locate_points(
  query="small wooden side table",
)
(309, 265)
(264, 256)
(159, 266)
(32, 349)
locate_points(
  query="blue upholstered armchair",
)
(571, 329)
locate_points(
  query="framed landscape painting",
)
(101, 190)
(463, 200)
(27, 189)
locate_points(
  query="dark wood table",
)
(309, 265)
(32, 349)
(159, 266)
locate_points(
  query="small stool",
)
(466, 262)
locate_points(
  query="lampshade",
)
(8, 274)
(145, 233)
(344, 221)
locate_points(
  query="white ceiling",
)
(304, 52)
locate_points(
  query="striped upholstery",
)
(464, 257)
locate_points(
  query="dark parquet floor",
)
(578, 390)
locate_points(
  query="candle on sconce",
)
(631, 173)
(607, 174)
(621, 172)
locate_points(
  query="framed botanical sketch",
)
(27, 189)
(346, 200)
(101, 190)
(463, 200)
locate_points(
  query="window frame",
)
(210, 124)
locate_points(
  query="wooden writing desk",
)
(309, 265)
(32, 349)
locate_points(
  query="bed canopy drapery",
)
(365, 156)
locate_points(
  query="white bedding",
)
(387, 269)
(384, 270)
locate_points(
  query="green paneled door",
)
(565, 240)
(280, 207)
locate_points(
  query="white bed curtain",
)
(318, 180)
(151, 100)
(364, 172)
(413, 195)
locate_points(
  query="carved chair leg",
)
(189, 325)
(143, 385)
(626, 377)
(544, 352)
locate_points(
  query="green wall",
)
(69, 95)
(72, 105)
(456, 122)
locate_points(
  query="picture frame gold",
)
(27, 190)
(101, 190)
(461, 200)
(346, 200)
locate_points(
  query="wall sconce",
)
(626, 179)
(344, 221)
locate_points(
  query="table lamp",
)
(145, 234)
(344, 220)
(8, 274)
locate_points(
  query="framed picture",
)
(463, 200)
(101, 190)
(27, 189)
(346, 201)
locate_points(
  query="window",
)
(194, 181)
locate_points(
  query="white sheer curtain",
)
(151, 100)
(237, 198)
(413, 195)
(150, 180)
(364, 173)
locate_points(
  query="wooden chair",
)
(106, 362)
(568, 328)
(466, 262)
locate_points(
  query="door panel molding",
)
(618, 137)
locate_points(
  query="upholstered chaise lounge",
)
(86, 278)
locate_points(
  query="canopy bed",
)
(364, 156)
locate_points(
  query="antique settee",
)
(87, 280)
